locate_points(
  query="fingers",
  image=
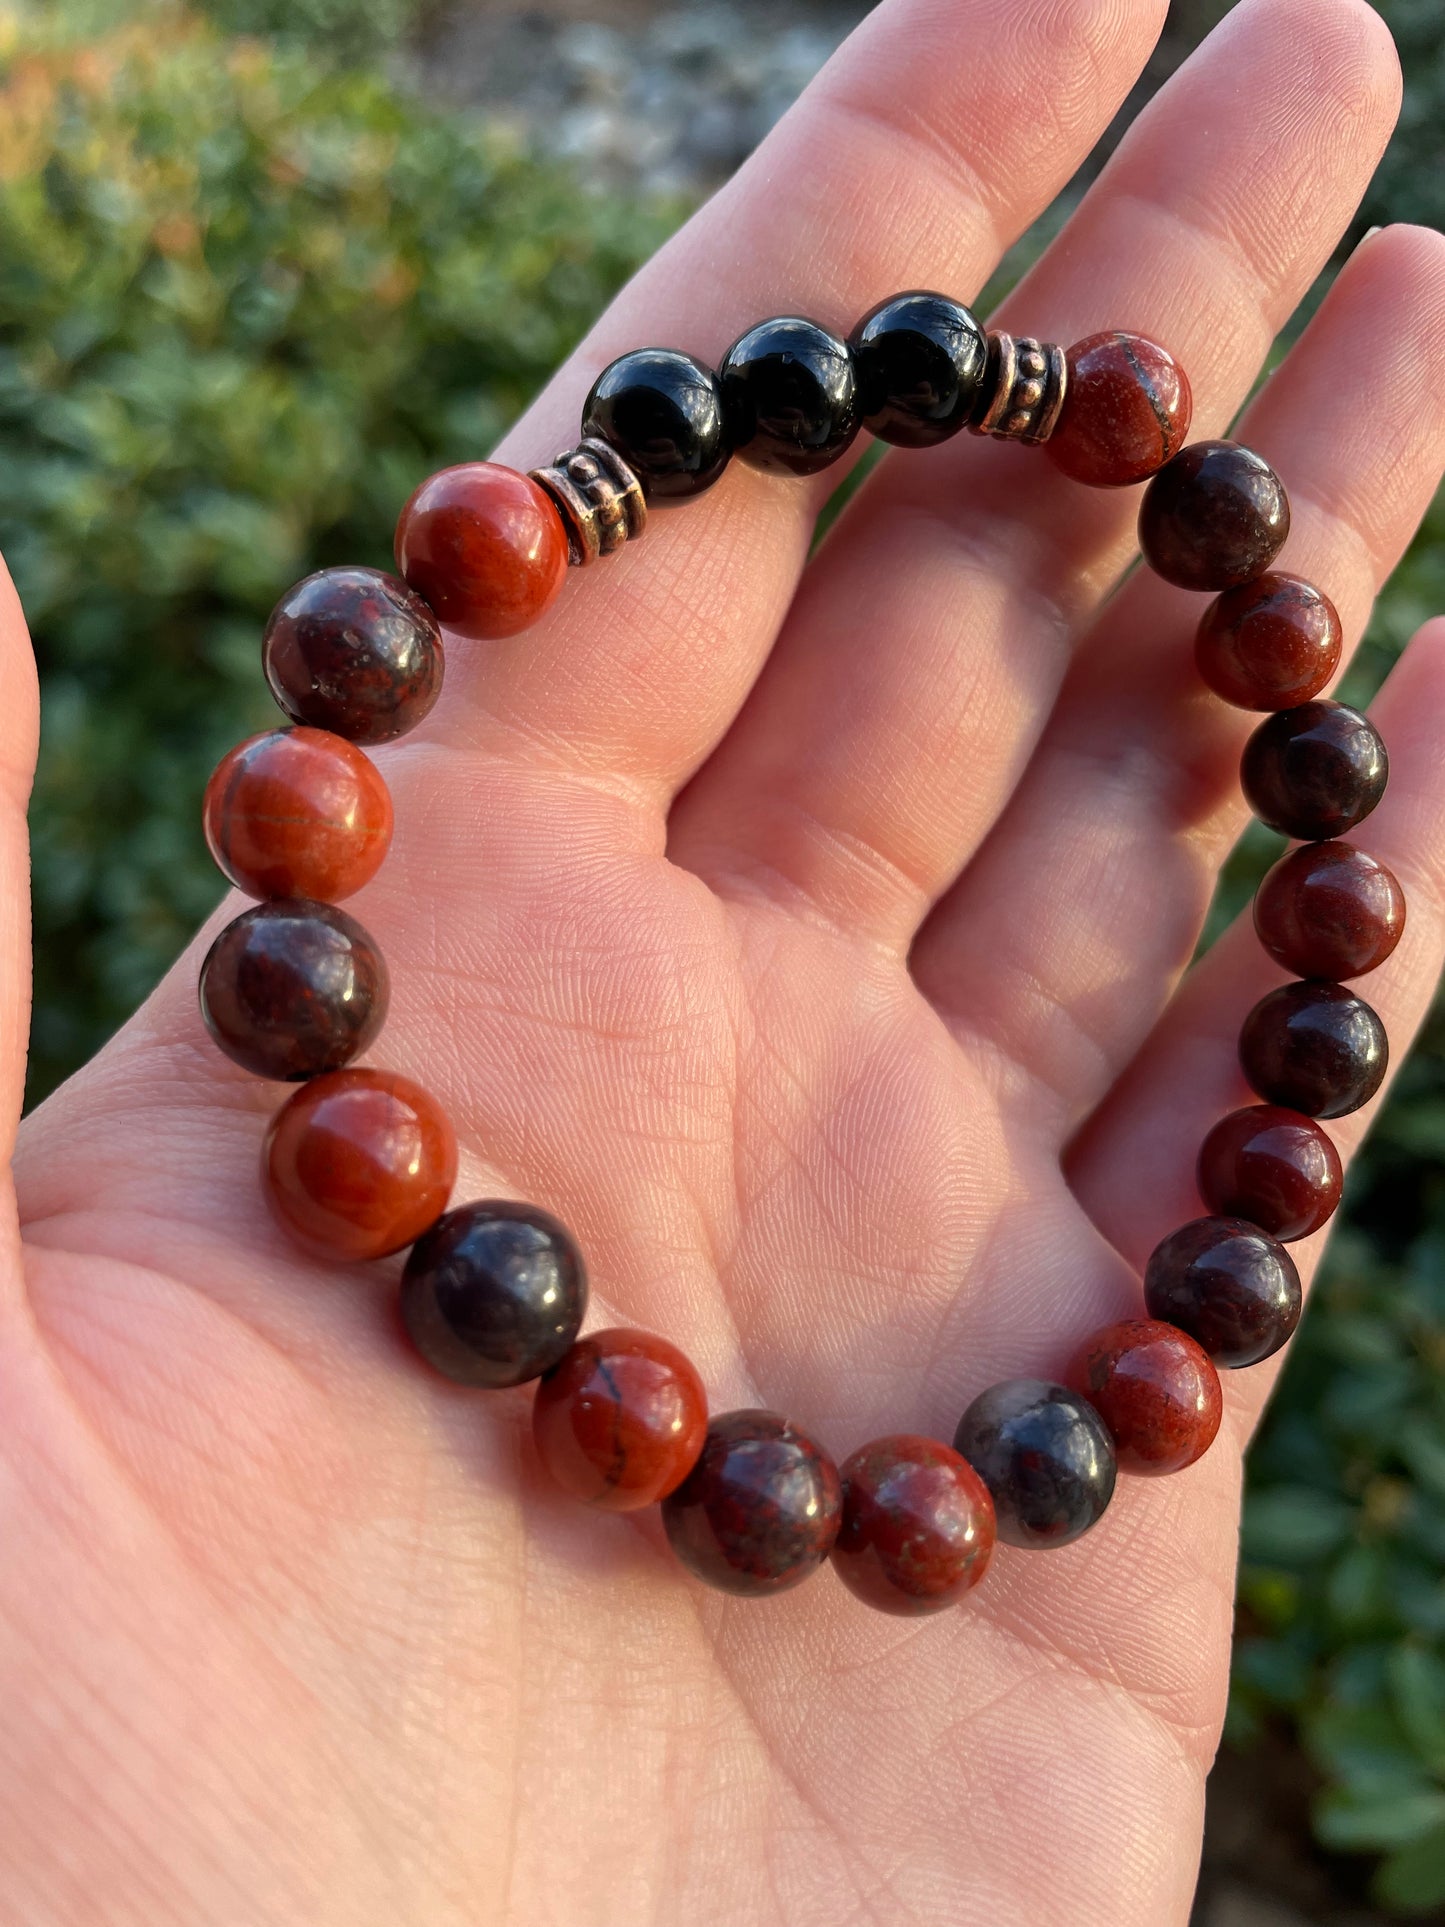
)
(930, 635)
(933, 137)
(1066, 936)
(19, 737)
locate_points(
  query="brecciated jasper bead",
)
(1126, 412)
(1155, 1390)
(359, 1163)
(1046, 1457)
(919, 359)
(298, 813)
(354, 651)
(1315, 1047)
(790, 398)
(1329, 910)
(1232, 1287)
(1273, 1166)
(918, 1526)
(620, 1419)
(1314, 771)
(494, 1294)
(761, 1508)
(1270, 643)
(1216, 516)
(484, 546)
(663, 413)
(292, 989)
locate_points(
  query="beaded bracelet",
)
(360, 1163)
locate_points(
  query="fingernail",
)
(1369, 235)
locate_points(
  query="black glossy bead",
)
(790, 396)
(1315, 771)
(354, 651)
(761, 1508)
(663, 413)
(1216, 516)
(920, 361)
(1044, 1454)
(1232, 1287)
(293, 988)
(1315, 1047)
(494, 1293)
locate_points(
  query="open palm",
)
(805, 934)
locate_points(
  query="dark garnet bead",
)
(1126, 411)
(663, 413)
(1045, 1456)
(1330, 911)
(1315, 771)
(292, 989)
(1270, 643)
(1274, 1167)
(297, 813)
(1316, 1048)
(1216, 516)
(790, 396)
(1157, 1392)
(761, 1508)
(918, 1526)
(356, 652)
(1231, 1286)
(620, 1420)
(494, 1294)
(920, 361)
(485, 546)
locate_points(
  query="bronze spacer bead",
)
(598, 496)
(1023, 389)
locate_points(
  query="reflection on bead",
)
(663, 413)
(297, 813)
(485, 547)
(1023, 389)
(1126, 411)
(918, 1526)
(920, 361)
(354, 651)
(760, 1510)
(1329, 910)
(1232, 1287)
(1155, 1390)
(1045, 1456)
(790, 398)
(1316, 1048)
(1315, 771)
(1270, 643)
(620, 1420)
(1216, 516)
(292, 989)
(1275, 1167)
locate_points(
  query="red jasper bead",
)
(1234, 1289)
(1126, 412)
(484, 546)
(1329, 910)
(619, 1422)
(1270, 644)
(359, 1163)
(297, 813)
(918, 1526)
(354, 651)
(1216, 516)
(1155, 1389)
(1273, 1167)
(760, 1510)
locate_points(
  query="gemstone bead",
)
(1329, 910)
(790, 397)
(620, 1420)
(1126, 410)
(1232, 1287)
(918, 1526)
(1216, 516)
(1315, 771)
(1155, 1390)
(485, 547)
(292, 989)
(359, 1163)
(919, 360)
(1270, 643)
(354, 651)
(760, 1510)
(494, 1294)
(1275, 1167)
(1045, 1456)
(1314, 1047)
(297, 813)
(663, 413)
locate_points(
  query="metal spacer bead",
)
(598, 496)
(1024, 386)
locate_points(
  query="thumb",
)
(19, 740)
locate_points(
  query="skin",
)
(809, 937)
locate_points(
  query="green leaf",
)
(1417, 1684)
(1294, 1525)
(1412, 1880)
(1351, 1820)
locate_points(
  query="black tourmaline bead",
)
(920, 361)
(293, 988)
(354, 651)
(1231, 1286)
(1315, 771)
(761, 1508)
(663, 413)
(1316, 1048)
(790, 396)
(1044, 1454)
(1216, 516)
(494, 1293)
